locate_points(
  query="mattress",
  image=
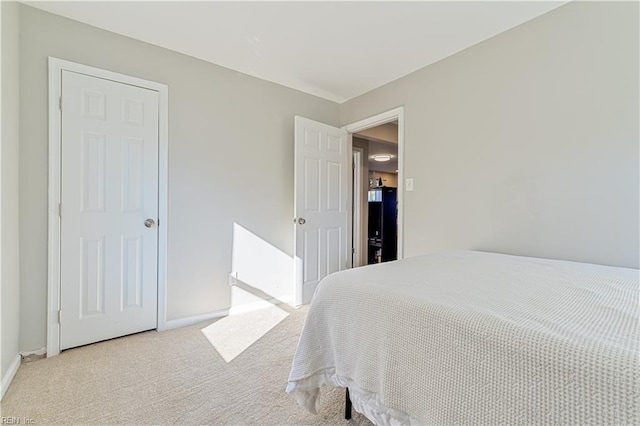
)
(469, 337)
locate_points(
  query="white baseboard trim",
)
(262, 304)
(39, 352)
(8, 377)
(195, 319)
(235, 310)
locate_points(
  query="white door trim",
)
(377, 120)
(356, 208)
(53, 282)
(1, 205)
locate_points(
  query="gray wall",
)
(230, 161)
(9, 261)
(528, 142)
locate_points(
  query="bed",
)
(466, 337)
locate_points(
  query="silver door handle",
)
(301, 221)
(149, 223)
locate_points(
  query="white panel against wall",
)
(334, 185)
(334, 249)
(94, 105)
(312, 139)
(312, 184)
(93, 172)
(312, 255)
(131, 279)
(92, 277)
(132, 172)
(133, 112)
(334, 144)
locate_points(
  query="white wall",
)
(528, 142)
(9, 239)
(230, 162)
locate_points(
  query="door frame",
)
(56, 66)
(357, 155)
(377, 120)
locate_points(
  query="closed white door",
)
(322, 187)
(109, 209)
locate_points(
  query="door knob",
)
(149, 223)
(301, 221)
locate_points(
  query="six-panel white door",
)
(322, 173)
(109, 188)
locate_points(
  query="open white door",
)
(322, 204)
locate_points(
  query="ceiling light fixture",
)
(382, 157)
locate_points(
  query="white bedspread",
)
(475, 338)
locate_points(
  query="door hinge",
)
(59, 316)
(60, 209)
(353, 250)
(60, 103)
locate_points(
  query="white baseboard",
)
(30, 356)
(235, 310)
(39, 352)
(195, 319)
(262, 304)
(8, 377)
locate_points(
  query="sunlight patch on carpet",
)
(232, 335)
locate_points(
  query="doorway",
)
(323, 185)
(378, 193)
(380, 235)
(107, 200)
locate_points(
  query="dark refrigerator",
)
(383, 225)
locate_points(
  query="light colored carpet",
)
(175, 377)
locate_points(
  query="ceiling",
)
(334, 50)
(381, 139)
(378, 147)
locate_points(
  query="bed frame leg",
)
(347, 406)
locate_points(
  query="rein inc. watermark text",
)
(5, 420)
